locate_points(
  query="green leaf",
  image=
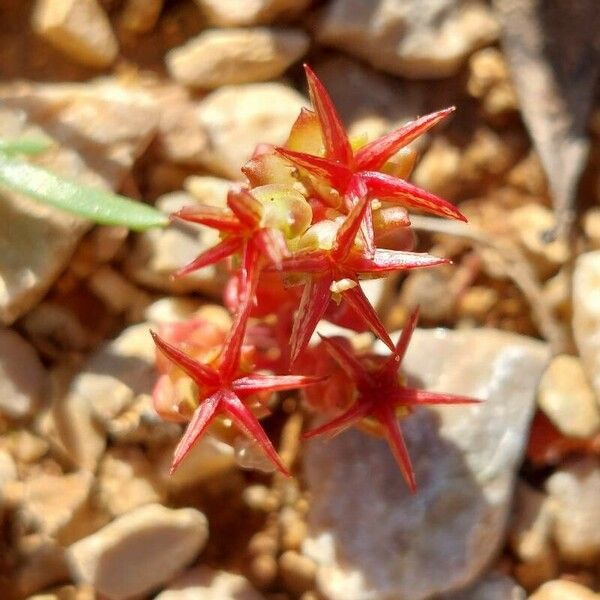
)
(25, 145)
(94, 204)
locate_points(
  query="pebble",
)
(528, 176)
(586, 315)
(126, 480)
(297, 571)
(408, 37)
(530, 222)
(117, 293)
(237, 118)
(55, 505)
(204, 583)
(158, 253)
(591, 227)
(154, 542)
(140, 16)
(575, 489)
(233, 56)
(438, 170)
(233, 13)
(564, 590)
(23, 378)
(385, 542)
(79, 28)
(489, 81)
(567, 399)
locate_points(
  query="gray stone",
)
(408, 37)
(237, 118)
(139, 551)
(369, 535)
(203, 583)
(220, 57)
(23, 379)
(494, 586)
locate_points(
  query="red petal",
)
(337, 146)
(211, 256)
(412, 396)
(244, 418)
(332, 173)
(274, 383)
(346, 234)
(211, 216)
(397, 445)
(347, 360)
(359, 410)
(393, 364)
(357, 299)
(272, 243)
(201, 419)
(202, 374)
(386, 187)
(245, 206)
(315, 298)
(387, 261)
(373, 156)
(307, 262)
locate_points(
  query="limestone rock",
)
(127, 480)
(586, 315)
(386, 543)
(232, 13)
(154, 543)
(23, 379)
(232, 56)
(567, 399)
(408, 38)
(80, 28)
(575, 489)
(561, 589)
(51, 504)
(203, 583)
(237, 118)
(158, 253)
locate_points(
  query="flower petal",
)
(245, 206)
(272, 243)
(200, 373)
(372, 156)
(413, 396)
(332, 173)
(243, 417)
(337, 145)
(359, 302)
(387, 261)
(394, 362)
(386, 187)
(211, 256)
(346, 234)
(201, 419)
(211, 216)
(315, 298)
(274, 383)
(359, 410)
(347, 360)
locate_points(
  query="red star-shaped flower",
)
(223, 388)
(338, 268)
(382, 397)
(342, 168)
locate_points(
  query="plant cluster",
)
(316, 216)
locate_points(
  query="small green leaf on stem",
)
(91, 203)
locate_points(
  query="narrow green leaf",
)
(25, 145)
(94, 204)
